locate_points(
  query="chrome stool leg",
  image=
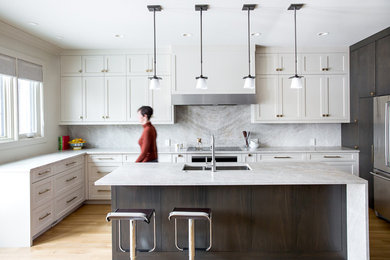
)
(133, 239)
(191, 239)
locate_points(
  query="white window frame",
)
(9, 111)
(14, 140)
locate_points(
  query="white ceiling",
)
(91, 24)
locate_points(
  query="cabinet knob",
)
(327, 115)
(106, 70)
(103, 70)
(80, 71)
(323, 115)
(249, 155)
(81, 117)
(372, 93)
(356, 147)
(103, 117)
(355, 121)
(179, 155)
(107, 117)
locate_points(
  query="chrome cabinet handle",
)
(47, 214)
(332, 156)
(71, 179)
(104, 191)
(282, 157)
(42, 173)
(105, 158)
(380, 176)
(42, 192)
(103, 172)
(69, 164)
(72, 199)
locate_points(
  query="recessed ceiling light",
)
(119, 36)
(32, 23)
(255, 34)
(187, 34)
(322, 33)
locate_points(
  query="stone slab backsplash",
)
(225, 122)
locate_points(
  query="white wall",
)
(14, 42)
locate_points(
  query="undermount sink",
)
(244, 167)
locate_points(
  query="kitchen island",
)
(273, 211)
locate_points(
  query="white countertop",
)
(37, 161)
(263, 173)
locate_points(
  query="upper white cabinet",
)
(332, 63)
(324, 97)
(140, 64)
(271, 63)
(105, 89)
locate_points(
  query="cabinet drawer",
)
(42, 192)
(97, 171)
(41, 173)
(99, 192)
(68, 201)
(130, 157)
(248, 158)
(41, 218)
(68, 163)
(179, 158)
(68, 180)
(332, 156)
(282, 157)
(106, 158)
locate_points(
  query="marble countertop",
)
(263, 173)
(37, 161)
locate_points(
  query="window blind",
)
(31, 71)
(7, 65)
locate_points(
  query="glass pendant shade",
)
(249, 82)
(296, 82)
(154, 83)
(201, 83)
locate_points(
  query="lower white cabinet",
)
(248, 158)
(42, 217)
(66, 202)
(284, 157)
(348, 162)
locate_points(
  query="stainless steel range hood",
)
(213, 99)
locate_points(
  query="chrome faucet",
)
(212, 148)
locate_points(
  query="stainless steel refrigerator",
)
(381, 173)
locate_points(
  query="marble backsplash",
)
(225, 122)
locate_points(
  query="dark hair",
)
(146, 110)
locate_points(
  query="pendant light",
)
(296, 81)
(201, 80)
(154, 82)
(249, 80)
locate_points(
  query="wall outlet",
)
(167, 142)
(313, 142)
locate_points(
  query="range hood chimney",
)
(213, 99)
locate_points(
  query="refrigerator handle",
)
(372, 153)
(387, 134)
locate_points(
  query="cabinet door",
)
(160, 101)
(313, 97)
(139, 65)
(383, 66)
(287, 63)
(363, 69)
(71, 65)
(115, 65)
(94, 99)
(311, 63)
(163, 64)
(337, 98)
(335, 63)
(267, 98)
(138, 95)
(93, 65)
(290, 100)
(71, 99)
(267, 64)
(116, 98)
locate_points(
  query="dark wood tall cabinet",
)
(369, 77)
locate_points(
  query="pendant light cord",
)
(201, 47)
(154, 28)
(295, 30)
(249, 42)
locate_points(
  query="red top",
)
(148, 144)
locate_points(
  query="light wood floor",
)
(86, 235)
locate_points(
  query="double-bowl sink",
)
(196, 167)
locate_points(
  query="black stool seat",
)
(131, 214)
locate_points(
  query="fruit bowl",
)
(77, 146)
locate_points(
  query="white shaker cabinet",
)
(104, 65)
(71, 65)
(72, 99)
(116, 99)
(138, 96)
(273, 63)
(93, 65)
(143, 64)
(94, 98)
(331, 63)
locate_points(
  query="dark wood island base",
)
(249, 222)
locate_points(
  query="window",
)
(28, 108)
(5, 108)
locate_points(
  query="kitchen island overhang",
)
(299, 195)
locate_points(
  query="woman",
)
(147, 142)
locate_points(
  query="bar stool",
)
(191, 214)
(133, 215)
